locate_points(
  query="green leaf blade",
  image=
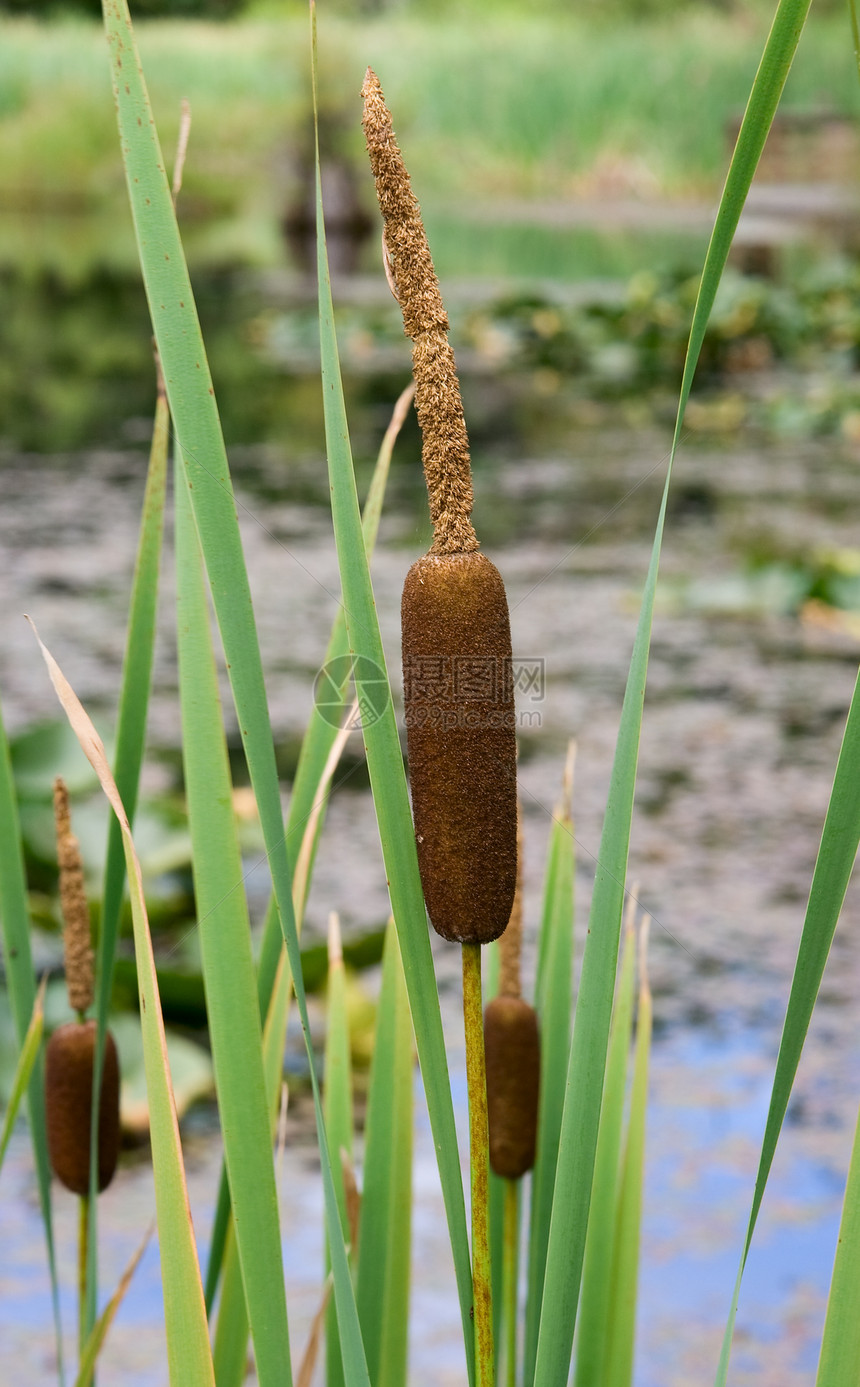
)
(767, 88)
(130, 741)
(231, 997)
(586, 1066)
(840, 1344)
(383, 1265)
(337, 1108)
(27, 1058)
(136, 682)
(593, 1331)
(591, 1028)
(553, 1000)
(230, 1349)
(625, 1258)
(834, 864)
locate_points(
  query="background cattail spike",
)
(77, 945)
(69, 1063)
(410, 272)
(512, 1045)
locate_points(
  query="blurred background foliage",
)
(526, 137)
(543, 103)
(567, 163)
(220, 9)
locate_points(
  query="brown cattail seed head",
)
(512, 1047)
(460, 721)
(77, 945)
(69, 1062)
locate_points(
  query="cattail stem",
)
(510, 1277)
(476, 1078)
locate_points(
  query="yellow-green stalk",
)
(476, 1081)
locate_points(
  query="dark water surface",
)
(747, 695)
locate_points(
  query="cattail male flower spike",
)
(71, 1050)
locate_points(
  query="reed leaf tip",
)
(567, 781)
(644, 979)
(335, 946)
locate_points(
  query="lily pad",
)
(190, 1070)
(45, 751)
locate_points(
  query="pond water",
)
(746, 701)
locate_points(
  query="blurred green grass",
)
(515, 104)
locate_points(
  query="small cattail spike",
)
(69, 1064)
(77, 944)
(512, 1045)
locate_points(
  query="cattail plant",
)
(457, 674)
(71, 1050)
